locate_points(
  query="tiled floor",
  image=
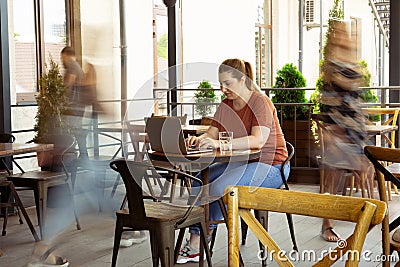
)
(92, 246)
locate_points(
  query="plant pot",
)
(45, 158)
(49, 161)
(300, 134)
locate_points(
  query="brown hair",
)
(239, 68)
(69, 51)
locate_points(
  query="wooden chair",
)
(391, 119)
(392, 114)
(366, 213)
(159, 218)
(379, 156)
(349, 175)
(262, 216)
(41, 181)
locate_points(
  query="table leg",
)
(204, 178)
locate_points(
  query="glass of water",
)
(225, 141)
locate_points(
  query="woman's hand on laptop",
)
(192, 141)
(208, 143)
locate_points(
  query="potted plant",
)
(290, 77)
(294, 119)
(204, 97)
(52, 105)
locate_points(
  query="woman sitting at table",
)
(252, 118)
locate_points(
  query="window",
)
(54, 29)
(22, 46)
(309, 15)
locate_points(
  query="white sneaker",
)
(188, 254)
(132, 238)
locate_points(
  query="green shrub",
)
(204, 97)
(290, 77)
(52, 104)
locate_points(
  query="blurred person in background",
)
(345, 135)
(77, 97)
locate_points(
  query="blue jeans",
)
(239, 173)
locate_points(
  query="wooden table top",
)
(9, 149)
(208, 157)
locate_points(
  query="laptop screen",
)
(165, 135)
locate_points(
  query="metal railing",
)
(187, 105)
(297, 128)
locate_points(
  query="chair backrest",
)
(139, 140)
(290, 150)
(379, 156)
(366, 213)
(6, 138)
(182, 118)
(133, 173)
(63, 152)
(393, 114)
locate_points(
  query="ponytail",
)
(239, 68)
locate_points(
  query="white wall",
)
(139, 32)
(284, 33)
(216, 30)
(369, 35)
(100, 36)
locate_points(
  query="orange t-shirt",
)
(259, 111)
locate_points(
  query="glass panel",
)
(160, 24)
(54, 29)
(23, 61)
(22, 46)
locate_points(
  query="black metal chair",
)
(41, 181)
(159, 218)
(8, 138)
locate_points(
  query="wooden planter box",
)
(304, 167)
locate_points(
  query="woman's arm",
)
(209, 136)
(256, 140)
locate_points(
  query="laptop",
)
(166, 136)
